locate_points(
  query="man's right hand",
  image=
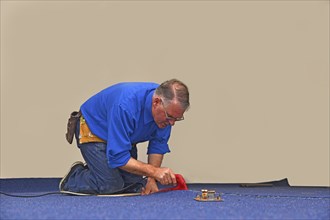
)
(165, 176)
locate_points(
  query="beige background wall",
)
(258, 74)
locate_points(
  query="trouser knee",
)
(110, 186)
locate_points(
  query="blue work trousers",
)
(97, 177)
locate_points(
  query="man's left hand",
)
(151, 187)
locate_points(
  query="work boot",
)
(74, 166)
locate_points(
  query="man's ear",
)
(156, 101)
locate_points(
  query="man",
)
(111, 123)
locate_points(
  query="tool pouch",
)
(85, 134)
(71, 126)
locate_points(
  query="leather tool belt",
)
(71, 126)
(85, 135)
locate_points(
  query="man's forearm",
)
(162, 174)
(139, 168)
(155, 159)
(143, 169)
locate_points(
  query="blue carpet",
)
(276, 202)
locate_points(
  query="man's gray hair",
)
(174, 89)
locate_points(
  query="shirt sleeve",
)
(158, 144)
(120, 127)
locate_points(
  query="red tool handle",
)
(180, 184)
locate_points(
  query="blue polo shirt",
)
(121, 115)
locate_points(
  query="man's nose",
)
(172, 122)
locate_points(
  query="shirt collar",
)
(147, 108)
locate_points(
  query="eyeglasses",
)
(170, 118)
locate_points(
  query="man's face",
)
(166, 115)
